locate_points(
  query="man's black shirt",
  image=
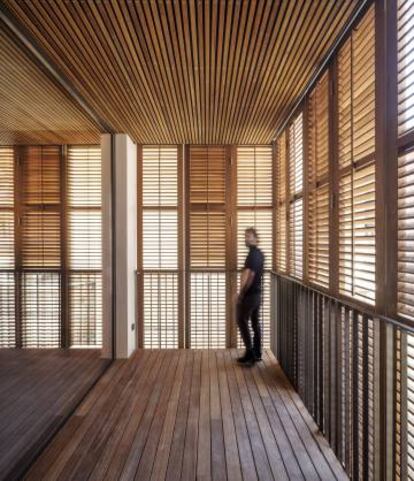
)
(255, 262)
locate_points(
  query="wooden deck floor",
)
(189, 415)
(39, 388)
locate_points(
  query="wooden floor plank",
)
(163, 451)
(107, 438)
(191, 456)
(277, 465)
(218, 457)
(39, 388)
(263, 380)
(177, 446)
(325, 460)
(204, 438)
(315, 454)
(187, 415)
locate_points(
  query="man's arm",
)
(246, 280)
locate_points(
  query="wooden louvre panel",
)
(296, 197)
(41, 220)
(363, 87)
(405, 27)
(160, 246)
(208, 240)
(160, 208)
(84, 203)
(262, 221)
(356, 133)
(207, 207)
(318, 184)
(254, 176)
(296, 156)
(41, 309)
(207, 236)
(404, 405)
(84, 245)
(281, 199)
(7, 259)
(406, 235)
(7, 309)
(7, 208)
(208, 310)
(160, 309)
(159, 176)
(207, 174)
(296, 238)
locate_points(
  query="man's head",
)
(251, 237)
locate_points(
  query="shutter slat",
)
(356, 137)
(405, 35)
(41, 229)
(318, 200)
(85, 245)
(296, 205)
(160, 246)
(281, 219)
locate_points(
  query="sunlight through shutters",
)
(160, 246)
(7, 261)
(318, 184)
(85, 245)
(356, 131)
(295, 133)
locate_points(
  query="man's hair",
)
(253, 231)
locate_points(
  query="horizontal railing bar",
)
(404, 325)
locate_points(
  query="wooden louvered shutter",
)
(281, 199)
(7, 260)
(40, 230)
(255, 209)
(296, 197)
(160, 246)
(207, 237)
(405, 289)
(41, 226)
(405, 28)
(84, 245)
(318, 184)
(356, 131)
(406, 235)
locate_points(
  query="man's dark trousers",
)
(249, 307)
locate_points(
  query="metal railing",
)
(354, 370)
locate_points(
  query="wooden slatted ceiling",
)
(187, 72)
(356, 132)
(318, 188)
(33, 109)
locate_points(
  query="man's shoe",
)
(257, 355)
(247, 359)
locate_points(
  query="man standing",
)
(249, 299)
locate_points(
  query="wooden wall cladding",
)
(34, 110)
(187, 71)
